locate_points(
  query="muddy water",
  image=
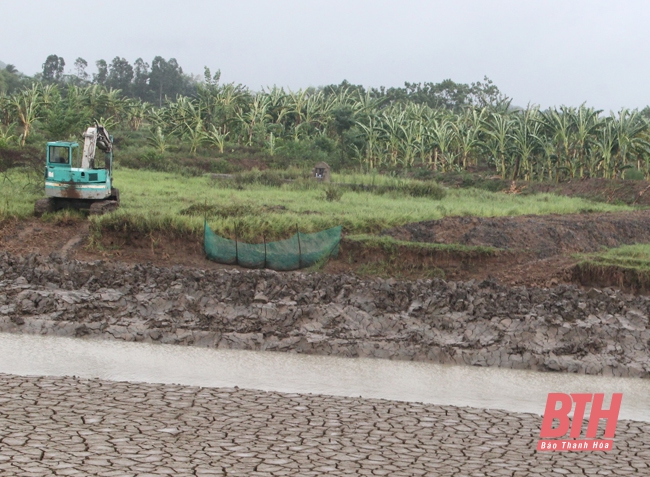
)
(496, 388)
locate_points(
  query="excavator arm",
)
(95, 137)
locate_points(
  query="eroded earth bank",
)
(564, 328)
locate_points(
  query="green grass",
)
(18, 194)
(626, 267)
(636, 257)
(402, 259)
(390, 244)
(155, 201)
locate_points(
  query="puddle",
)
(495, 388)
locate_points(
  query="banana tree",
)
(468, 134)
(498, 128)
(630, 129)
(372, 135)
(297, 101)
(7, 136)
(217, 137)
(136, 113)
(255, 118)
(158, 140)
(604, 146)
(526, 141)
(586, 124)
(114, 104)
(50, 93)
(443, 134)
(560, 129)
(26, 105)
(391, 128)
(195, 135)
(409, 131)
(5, 110)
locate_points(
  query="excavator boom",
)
(95, 137)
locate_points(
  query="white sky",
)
(548, 52)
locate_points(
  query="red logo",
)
(553, 414)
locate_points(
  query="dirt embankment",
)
(534, 250)
(540, 249)
(612, 191)
(541, 235)
(482, 324)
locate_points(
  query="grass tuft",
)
(390, 244)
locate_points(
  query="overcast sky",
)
(548, 52)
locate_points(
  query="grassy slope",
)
(626, 267)
(636, 257)
(154, 200)
(391, 244)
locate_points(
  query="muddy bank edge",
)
(563, 328)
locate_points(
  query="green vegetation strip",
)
(633, 257)
(391, 244)
(627, 267)
(422, 129)
(173, 204)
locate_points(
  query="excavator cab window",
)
(76, 157)
(59, 155)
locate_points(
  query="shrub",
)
(236, 209)
(333, 193)
(429, 189)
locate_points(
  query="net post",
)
(236, 246)
(205, 223)
(299, 248)
(264, 238)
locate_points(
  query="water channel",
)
(493, 388)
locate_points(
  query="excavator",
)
(84, 183)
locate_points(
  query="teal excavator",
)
(84, 183)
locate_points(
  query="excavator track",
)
(102, 207)
(44, 206)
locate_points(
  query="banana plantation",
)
(363, 129)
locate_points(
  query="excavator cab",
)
(80, 181)
(61, 152)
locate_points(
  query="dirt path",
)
(76, 240)
(33, 235)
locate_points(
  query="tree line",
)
(443, 126)
(141, 80)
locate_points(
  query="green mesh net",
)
(299, 251)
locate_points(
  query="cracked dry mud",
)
(68, 426)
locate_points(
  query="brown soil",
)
(540, 249)
(72, 240)
(631, 280)
(534, 250)
(542, 236)
(507, 267)
(629, 192)
(612, 191)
